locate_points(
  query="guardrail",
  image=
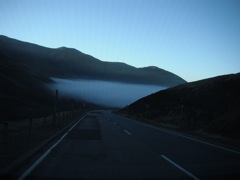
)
(26, 127)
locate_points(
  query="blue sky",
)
(194, 39)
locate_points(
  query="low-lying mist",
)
(105, 93)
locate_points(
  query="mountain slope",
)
(70, 63)
(25, 93)
(210, 105)
(22, 93)
(26, 69)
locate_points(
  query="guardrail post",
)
(44, 121)
(53, 119)
(5, 131)
(30, 126)
(63, 116)
(59, 117)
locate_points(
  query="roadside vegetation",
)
(208, 107)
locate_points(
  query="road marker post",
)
(5, 132)
(30, 126)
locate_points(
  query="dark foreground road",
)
(103, 145)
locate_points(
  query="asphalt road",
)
(104, 145)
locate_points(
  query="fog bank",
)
(106, 93)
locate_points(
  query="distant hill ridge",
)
(70, 63)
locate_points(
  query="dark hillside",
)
(210, 105)
(22, 92)
(70, 63)
(25, 93)
(26, 69)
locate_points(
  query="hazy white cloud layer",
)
(104, 92)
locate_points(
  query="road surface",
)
(107, 146)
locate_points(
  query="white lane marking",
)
(77, 123)
(179, 167)
(178, 134)
(127, 132)
(203, 142)
(42, 157)
(210, 144)
(36, 163)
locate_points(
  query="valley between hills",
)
(208, 109)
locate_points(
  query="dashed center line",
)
(121, 128)
(127, 132)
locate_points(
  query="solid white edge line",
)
(36, 163)
(179, 167)
(77, 123)
(42, 157)
(178, 134)
(127, 132)
(210, 144)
